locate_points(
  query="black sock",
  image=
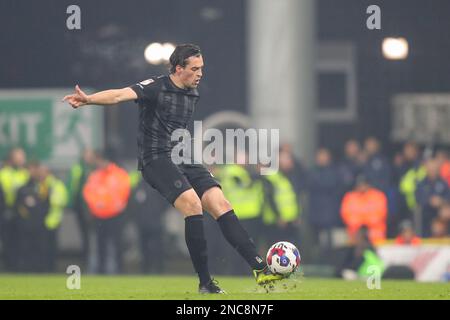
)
(196, 243)
(239, 239)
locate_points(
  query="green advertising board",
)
(48, 129)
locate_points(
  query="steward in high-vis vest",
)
(408, 185)
(77, 179)
(13, 175)
(281, 210)
(106, 193)
(245, 193)
(147, 209)
(39, 207)
(366, 207)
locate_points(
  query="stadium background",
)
(40, 53)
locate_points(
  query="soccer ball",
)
(283, 258)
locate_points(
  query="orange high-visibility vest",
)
(365, 209)
(445, 171)
(106, 191)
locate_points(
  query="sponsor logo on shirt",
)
(147, 82)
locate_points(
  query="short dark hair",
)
(181, 53)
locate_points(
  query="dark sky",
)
(37, 50)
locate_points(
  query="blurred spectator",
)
(77, 179)
(377, 168)
(292, 168)
(244, 191)
(365, 206)
(349, 167)
(13, 175)
(444, 164)
(398, 165)
(147, 208)
(439, 228)
(411, 172)
(106, 193)
(58, 199)
(323, 187)
(407, 172)
(359, 257)
(39, 206)
(431, 194)
(281, 209)
(411, 157)
(407, 235)
(31, 207)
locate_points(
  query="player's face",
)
(191, 74)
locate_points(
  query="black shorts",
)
(171, 180)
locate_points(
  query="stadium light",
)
(157, 53)
(395, 48)
(167, 48)
(154, 53)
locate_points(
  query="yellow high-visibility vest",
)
(408, 185)
(58, 201)
(11, 180)
(244, 194)
(285, 199)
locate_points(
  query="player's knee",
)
(194, 206)
(216, 203)
(189, 204)
(224, 205)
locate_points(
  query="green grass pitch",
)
(185, 287)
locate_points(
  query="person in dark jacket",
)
(377, 169)
(147, 209)
(410, 158)
(31, 207)
(39, 209)
(13, 175)
(349, 167)
(406, 166)
(77, 178)
(431, 194)
(323, 183)
(292, 168)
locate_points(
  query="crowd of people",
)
(370, 190)
(406, 199)
(32, 202)
(102, 195)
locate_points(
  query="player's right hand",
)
(78, 99)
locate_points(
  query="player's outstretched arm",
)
(107, 97)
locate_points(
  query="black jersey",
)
(163, 108)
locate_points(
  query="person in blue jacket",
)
(323, 183)
(431, 194)
(377, 169)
